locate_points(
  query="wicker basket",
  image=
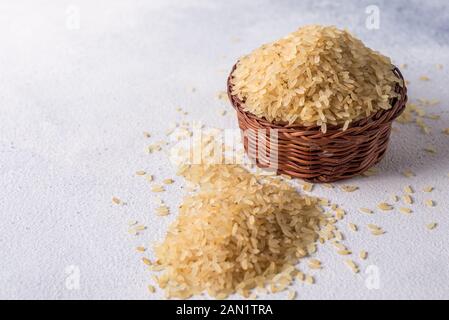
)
(307, 153)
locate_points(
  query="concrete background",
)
(81, 80)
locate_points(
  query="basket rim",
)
(398, 106)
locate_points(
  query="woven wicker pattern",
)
(307, 153)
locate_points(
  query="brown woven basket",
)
(307, 153)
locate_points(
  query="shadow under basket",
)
(307, 153)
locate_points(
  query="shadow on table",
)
(407, 151)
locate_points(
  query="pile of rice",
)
(236, 232)
(315, 76)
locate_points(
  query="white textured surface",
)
(74, 104)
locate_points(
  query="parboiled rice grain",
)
(316, 76)
(237, 232)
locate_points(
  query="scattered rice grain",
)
(157, 188)
(385, 206)
(366, 210)
(147, 261)
(314, 264)
(348, 188)
(378, 232)
(309, 279)
(163, 210)
(307, 187)
(151, 288)
(168, 181)
(430, 149)
(407, 199)
(291, 295)
(432, 225)
(344, 252)
(408, 173)
(352, 265)
(363, 255)
(430, 203)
